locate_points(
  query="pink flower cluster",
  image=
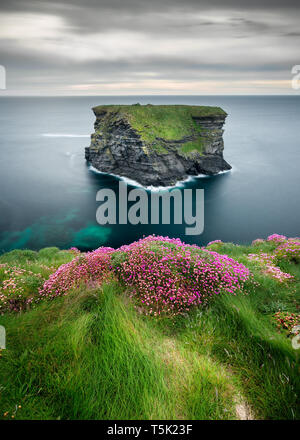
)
(289, 250)
(164, 274)
(90, 268)
(74, 250)
(257, 241)
(215, 242)
(14, 291)
(168, 276)
(268, 266)
(277, 238)
(287, 321)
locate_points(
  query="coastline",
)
(158, 188)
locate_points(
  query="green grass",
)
(92, 355)
(43, 262)
(192, 146)
(46, 256)
(156, 122)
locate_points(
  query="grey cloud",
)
(134, 5)
(292, 34)
(248, 40)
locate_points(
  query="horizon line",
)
(139, 95)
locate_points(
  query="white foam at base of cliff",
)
(179, 184)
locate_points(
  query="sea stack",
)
(157, 145)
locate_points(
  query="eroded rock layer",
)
(158, 145)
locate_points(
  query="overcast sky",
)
(130, 47)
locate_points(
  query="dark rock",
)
(117, 148)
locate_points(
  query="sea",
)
(48, 191)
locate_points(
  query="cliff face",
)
(157, 145)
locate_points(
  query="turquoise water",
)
(48, 193)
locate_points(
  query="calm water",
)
(47, 195)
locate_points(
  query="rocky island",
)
(157, 144)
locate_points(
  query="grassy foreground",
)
(94, 354)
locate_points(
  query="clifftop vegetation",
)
(158, 123)
(154, 330)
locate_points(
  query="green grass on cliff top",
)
(169, 122)
(92, 355)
